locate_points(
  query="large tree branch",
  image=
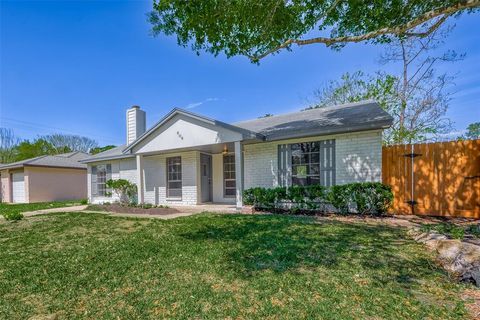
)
(432, 28)
(444, 13)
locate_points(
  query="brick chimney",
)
(136, 123)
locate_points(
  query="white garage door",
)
(18, 187)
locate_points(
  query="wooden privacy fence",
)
(439, 179)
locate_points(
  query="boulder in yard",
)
(461, 259)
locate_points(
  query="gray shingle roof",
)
(66, 160)
(114, 153)
(365, 115)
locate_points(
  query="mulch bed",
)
(117, 208)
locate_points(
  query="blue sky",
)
(75, 67)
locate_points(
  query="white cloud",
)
(197, 104)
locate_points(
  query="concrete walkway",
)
(186, 213)
(53, 210)
(150, 216)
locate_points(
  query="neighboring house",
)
(45, 178)
(189, 159)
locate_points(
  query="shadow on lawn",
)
(280, 244)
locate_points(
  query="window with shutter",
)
(307, 163)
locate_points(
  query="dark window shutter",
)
(93, 177)
(109, 172)
(327, 163)
(108, 176)
(284, 165)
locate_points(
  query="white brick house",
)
(188, 159)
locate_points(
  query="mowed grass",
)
(25, 207)
(92, 266)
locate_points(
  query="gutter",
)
(322, 132)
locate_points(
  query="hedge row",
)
(365, 198)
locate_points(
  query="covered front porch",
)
(208, 176)
(188, 159)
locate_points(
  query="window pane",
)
(299, 181)
(230, 184)
(174, 193)
(174, 177)
(315, 147)
(315, 157)
(300, 171)
(229, 175)
(314, 169)
(175, 185)
(305, 163)
(230, 192)
(101, 175)
(313, 180)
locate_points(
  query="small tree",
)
(68, 142)
(473, 132)
(8, 143)
(124, 189)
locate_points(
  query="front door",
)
(206, 173)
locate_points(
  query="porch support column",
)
(239, 174)
(140, 193)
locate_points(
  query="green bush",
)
(473, 230)
(366, 198)
(12, 216)
(339, 197)
(84, 201)
(370, 197)
(125, 190)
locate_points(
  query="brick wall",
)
(358, 158)
(156, 182)
(121, 169)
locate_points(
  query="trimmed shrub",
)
(124, 189)
(366, 198)
(146, 206)
(12, 216)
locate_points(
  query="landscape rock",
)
(459, 258)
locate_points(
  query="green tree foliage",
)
(258, 28)
(124, 189)
(355, 87)
(8, 142)
(101, 149)
(67, 142)
(13, 149)
(417, 97)
(35, 148)
(473, 132)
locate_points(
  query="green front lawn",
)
(80, 265)
(25, 207)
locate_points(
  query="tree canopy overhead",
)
(258, 28)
